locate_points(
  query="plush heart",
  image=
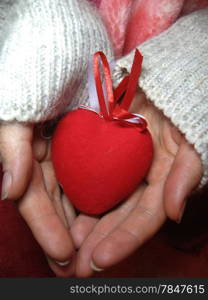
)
(98, 162)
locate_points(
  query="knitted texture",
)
(175, 77)
(45, 47)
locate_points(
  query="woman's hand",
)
(29, 178)
(176, 170)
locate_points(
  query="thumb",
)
(183, 178)
(16, 158)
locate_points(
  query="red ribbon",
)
(109, 108)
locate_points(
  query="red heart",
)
(99, 163)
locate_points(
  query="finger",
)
(37, 210)
(53, 189)
(40, 146)
(104, 227)
(184, 176)
(69, 210)
(65, 271)
(16, 156)
(81, 228)
(143, 222)
(63, 207)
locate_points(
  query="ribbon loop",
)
(132, 80)
(106, 107)
(109, 108)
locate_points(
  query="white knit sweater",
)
(175, 77)
(45, 46)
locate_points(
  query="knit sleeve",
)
(175, 77)
(45, 47)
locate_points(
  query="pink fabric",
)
(147, 20)
(96, 2)
(192, 5)
(116, 15)
(131, 22)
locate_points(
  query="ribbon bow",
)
(109, 107)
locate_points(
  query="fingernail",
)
(181, 213)
(63, 263)
(6, 185)
(94, 267)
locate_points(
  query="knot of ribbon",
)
(109, 107)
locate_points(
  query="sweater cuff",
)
(45, 47)
(175, 78)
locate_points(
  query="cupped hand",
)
(175, 172)
(29, 178)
